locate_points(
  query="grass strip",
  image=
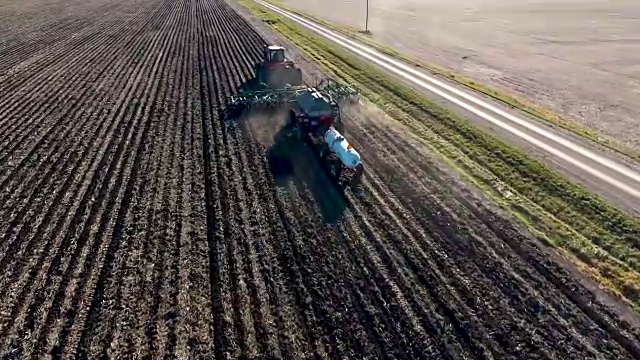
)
(508, 99)
(602, 240)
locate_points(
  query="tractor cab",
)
(275, 70)
(274, 54)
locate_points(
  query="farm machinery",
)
(313, 116)
(312, 119)
(278, 81)
(276, 70)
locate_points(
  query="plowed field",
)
(135, 224)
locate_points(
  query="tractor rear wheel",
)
(296, 77)
(334, 165)
(259, 73)
(292, 120)
(294, 124)
(299, 132)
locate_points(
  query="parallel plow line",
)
(73, 176)
(136, 223)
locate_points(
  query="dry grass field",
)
(577, 58)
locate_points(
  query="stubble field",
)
(135, 224)
(577, 58)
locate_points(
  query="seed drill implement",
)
(268, 98)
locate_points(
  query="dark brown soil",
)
(134, 224)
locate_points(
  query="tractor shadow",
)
(280, 158)
(291, 162)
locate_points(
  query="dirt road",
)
(134, 223)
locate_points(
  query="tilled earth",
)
(135, 224)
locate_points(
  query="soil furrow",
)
(218, 225)
(75, 150)
(129, 332)
(314, 185)
(434, 256)
(500, 283)
(233, 205)
(50, 36)
(138, 79)
(194, 321)
(401, 211)
(558, 309)
(91, 190)
(40, 188)
(113, 244)
(165, 191)
(86, 72)
(83, 53)
(136, 223)
(554, 296)
(289, 327)
(259, 271)
(82, 268)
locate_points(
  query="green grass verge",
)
(511, 100)
(600, 239)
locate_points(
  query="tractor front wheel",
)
(294, 125)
